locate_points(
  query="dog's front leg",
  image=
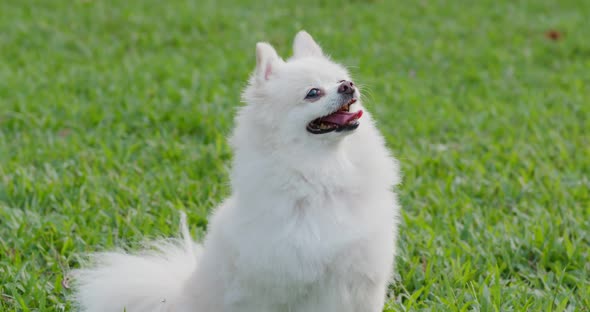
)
(370, 299)
(343, 296)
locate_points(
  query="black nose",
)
(346, 87)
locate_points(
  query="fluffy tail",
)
(152, 281)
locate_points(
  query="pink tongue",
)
(342, 118)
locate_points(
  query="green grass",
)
(114, 114)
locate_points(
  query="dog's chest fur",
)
(290, 242)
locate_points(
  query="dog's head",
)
(308, 97)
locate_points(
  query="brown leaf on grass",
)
(64, 132)
(553, 34)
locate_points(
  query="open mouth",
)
(340, 120)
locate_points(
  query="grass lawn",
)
(114, 114)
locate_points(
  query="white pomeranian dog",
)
(311, 224)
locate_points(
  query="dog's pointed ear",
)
(267, 61)
(304, 45)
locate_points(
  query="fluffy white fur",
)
(310, 225)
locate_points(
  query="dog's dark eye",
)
(313, 93)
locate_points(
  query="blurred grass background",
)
(114, 114)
